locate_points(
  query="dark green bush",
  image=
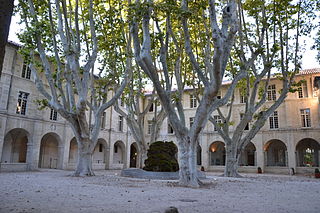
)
(161, 157)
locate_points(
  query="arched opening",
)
(73, 152)
(308, 153)
(199, 151)
(248, 155)
(118, 152)
(276, 153)
(134, 155)
(100, 154)
(15, 146)
(49, 151)
(217, 154)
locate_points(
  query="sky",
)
(308, 60)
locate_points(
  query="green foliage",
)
(42, 103)
(161, 157)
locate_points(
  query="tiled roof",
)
(14, 43)
(309, 71)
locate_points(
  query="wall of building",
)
(33, 140)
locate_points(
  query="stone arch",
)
(199, 155)
(119, 151)
(73, 152)
(275, 153)
(248, 154)
(15, 146)
(99, 156)
(50, 151)
(307, 153)
(217, 154)
(134, 153)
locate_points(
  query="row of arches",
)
(51, 150)
(307, 154)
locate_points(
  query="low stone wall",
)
(277, 170)
(13, 167)
(140, 173)
(305, 170)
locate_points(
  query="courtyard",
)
(57, 191)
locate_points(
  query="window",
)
(120, 124)
(151, 108)
(170, 129)
(103, 120)
(305, 117)
(243, 96)
(218, 120)
(274, 120)
(193, 101)
(26, 71)
(303, 90)
(22, 103)
(247, 126)
(149, 127)
(271, 93)
(219, 95)
(100, 147)
(53, 115)
(191, 121)
(115, 147)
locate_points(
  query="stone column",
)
(260, 156)
(3, 123)
(107, 157)
(255, 158)
(60, 156)
(111, 151)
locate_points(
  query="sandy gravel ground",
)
(57, 191)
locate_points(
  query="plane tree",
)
(179, 44)
(63, 43)
(134, 106)
(267, 47)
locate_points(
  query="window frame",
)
(53, 115)
(22, 102)
(274, 120)
(305, 115)
(271, 92)
(193, 101)
(120, 123)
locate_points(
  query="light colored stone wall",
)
(38, 127)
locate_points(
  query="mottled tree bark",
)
(6, 9)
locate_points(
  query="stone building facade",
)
(31, 138)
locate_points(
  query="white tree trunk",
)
(84, 164)
(143, 157)
(187, 164)
(232, 162)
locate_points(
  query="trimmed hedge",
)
(161, 157)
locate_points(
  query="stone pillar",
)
(35, 151)
(3, 122)
(255, 158)
(126, 160)
(29, 159)
(111, 151)
(65, 159)
(107, 157)
(260, 156)
(291, 157)
(60, 156)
